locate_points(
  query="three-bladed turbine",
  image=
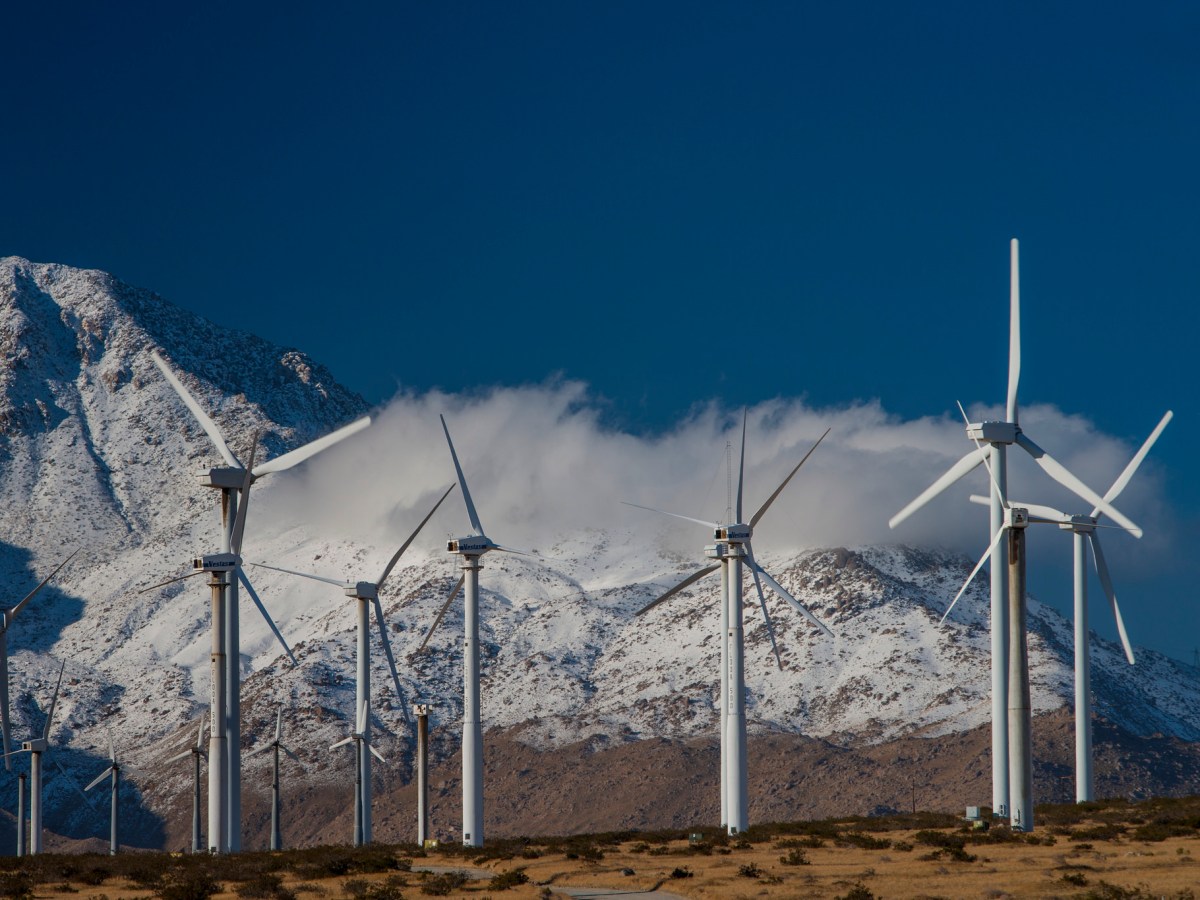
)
(360, 737)
(36, 748)
(367, 592)
(470, 548)
(196, 753)
(113, 771)
(6, 619)
(233, 480)
(999, 436)
(732, 550)
(277, 746)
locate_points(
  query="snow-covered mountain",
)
(97, 453)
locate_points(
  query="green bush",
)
(444, 884)
(502, 881)
(795, 857)
(865, 841)
(16, 886)
(750, 870)
(182, 884)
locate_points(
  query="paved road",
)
(472, 872)
(585, 893)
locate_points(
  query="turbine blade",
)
(200, 735)
(375, 753)
(75, 784)
(290, 755)
(796, 604)
(741, 468)
(300, 454)
(342, 743)
(209, 426)
(99, 778)
(441, 613)
(762, 602)
(387, 570)
(955, 472)
(762, 509)
(987, 455)
(1059, 473)
(673, 515)
(691, 579)
(342, 583)
(257, 750)
(12, 613)
(266, 615)
(517, 552)
(1014, 330)
(1123, 478)
(387, 647)
(1106, 583)
(1047, 513)
(177, 757)
(239, 522)
(5, 723)
(112, 746)
(975, 571)
(462, 482)
(162, 584)
(53, 703)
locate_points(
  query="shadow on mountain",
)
(40, 624)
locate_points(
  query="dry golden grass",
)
(1113, 852)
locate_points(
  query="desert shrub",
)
(809, 842)
(356, 888)
(681, 872)
(902, 846)
(750, 870)
(639, 847)
(865, 841)
(93, 876)
(262, 886)
(187, 884)
(502, 881)
(444, 884)
(795, 857)
(1108, 831)
(1161, 830)
(16, 886)
(659, 851)
(1076, 878)
(67, 888)
(527, 853)
(857, 892)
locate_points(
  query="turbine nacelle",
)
(1016, 517)
(225, 478)
(362, 590)
(993, 432)
(421, 709)
(37, 745)
(476, 545)
(217, 562)
(1079, 525)
(734, 534)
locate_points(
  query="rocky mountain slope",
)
(97, 453)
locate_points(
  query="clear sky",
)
(673, 202)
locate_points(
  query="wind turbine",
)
(421, 711)
(217, 566)
(1083, 528)
(35, 748)
(731, 548)
(361, 738)
(234, 479)
(367, 592)
(6, 619)
(276, 745)
(471, 548)
(114, 770)
(196, 753)
(999, 436)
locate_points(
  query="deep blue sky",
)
(670, 201)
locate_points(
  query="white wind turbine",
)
(234, 479)
(360, 737)
(470, 548)
(999, 436)
(218, 566)
(732, 546)
(277, 746)
(6, 619)
(1083, 528)
(196, 753)
(367, 592)
(35, 748)
(114, 769)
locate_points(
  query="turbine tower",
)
(114, 770)
(421, 712)
(367, 592)
(471, 548)
(276, 745)
(35, 748)
(361, 738)
(1083, 529)
(6, 619)
(196, 753)
(731, 548)
(233, 480)
(999, 436)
